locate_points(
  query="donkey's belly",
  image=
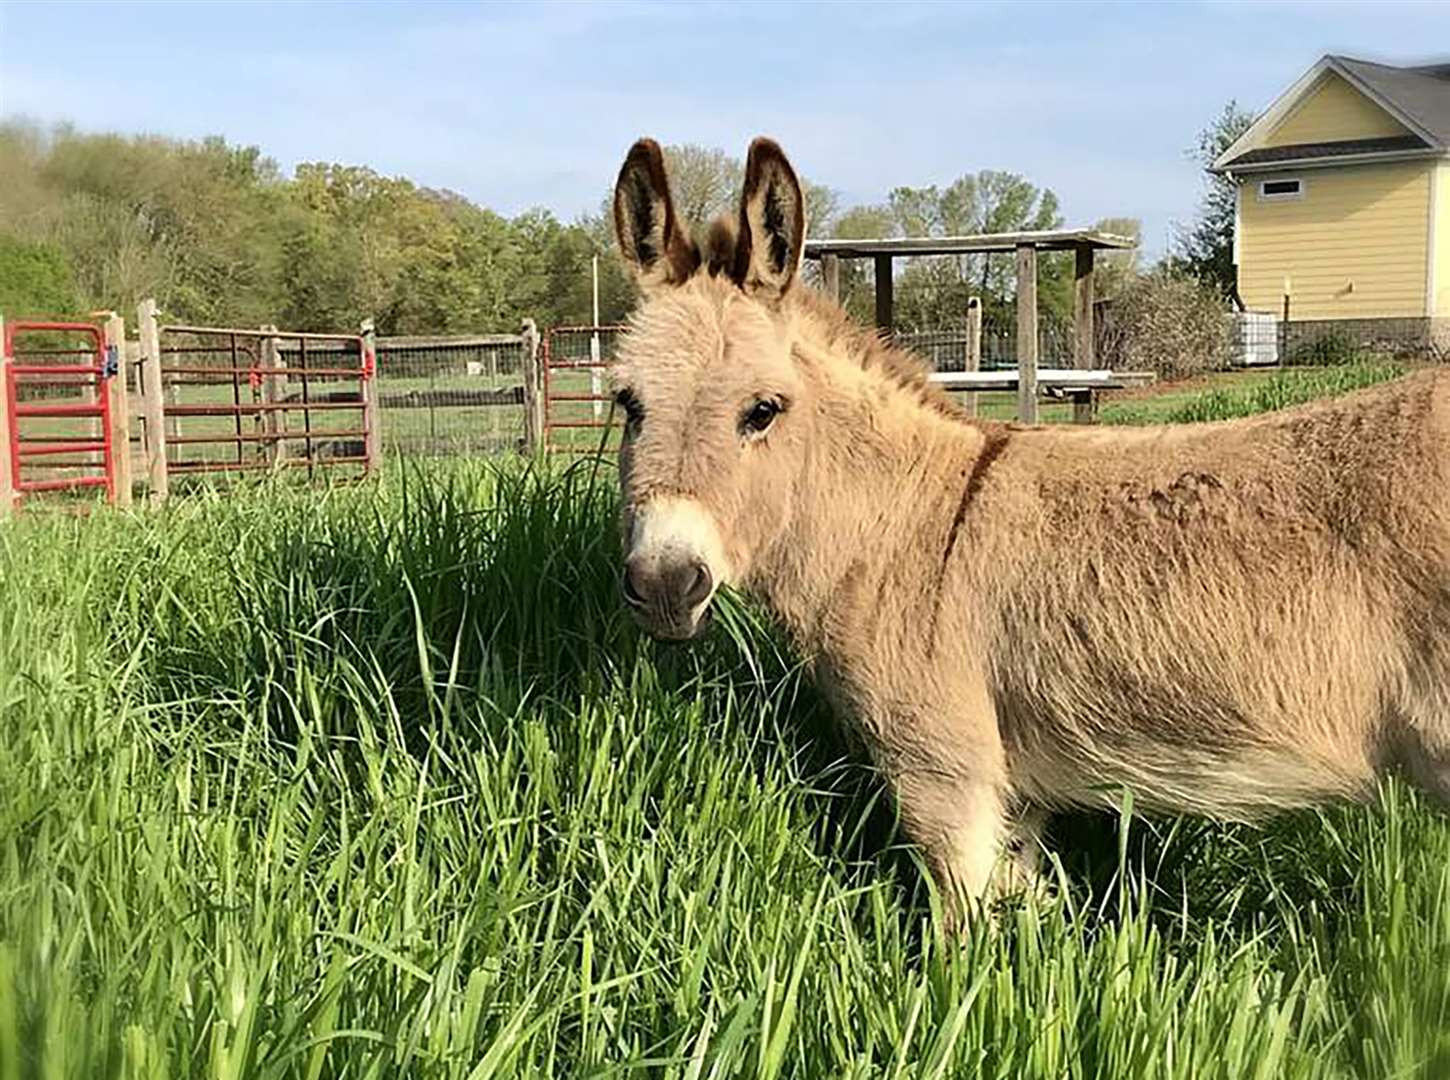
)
(1229, 729)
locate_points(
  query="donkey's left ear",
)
(772, 223)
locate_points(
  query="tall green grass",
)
(1281, 390)
(382, 783)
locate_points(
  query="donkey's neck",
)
(886, 473)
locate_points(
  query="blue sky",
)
(520, 105)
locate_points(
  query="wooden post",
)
(1027, 333)
(534, 434)
(120, 433)
(7, 483)
(885, 303)
(274, 421)
(372, 414)
(973, 360)
(831, 275)
(153, 402)
(1084, 353)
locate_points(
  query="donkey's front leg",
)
(958, 824)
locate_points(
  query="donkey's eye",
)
(760, 416)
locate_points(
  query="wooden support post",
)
(1027, 333)
(274, 391)
(1084, 353)
(372, 414)
(153, 402)
(535, 442)
(7, 481)
(116, 386)
(831, 276)
(885, 303)
(974, 347)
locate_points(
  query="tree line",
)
(219, 235)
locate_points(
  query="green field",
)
(380, 781)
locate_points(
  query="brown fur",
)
(1228, 618)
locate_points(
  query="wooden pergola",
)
(1085, 243)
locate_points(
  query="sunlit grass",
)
(381, 782)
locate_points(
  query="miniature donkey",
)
(1227, 618)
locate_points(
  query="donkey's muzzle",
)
(668, 595)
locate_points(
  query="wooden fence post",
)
(534, 434)
(973, 360)
(117, 387)
(831, 276)
(1084, 353)
(153, 402)
(1027, 333)
(372, 414)
(885, 300)
(274, 421)
(7, 484)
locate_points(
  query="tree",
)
(1205, 248)
(1115, 270)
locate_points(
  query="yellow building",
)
(1344, 203)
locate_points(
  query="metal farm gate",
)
(221, 399)
(61, 427)
(577, 401)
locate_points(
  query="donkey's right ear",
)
(649, 234)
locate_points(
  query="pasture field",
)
(380, 781)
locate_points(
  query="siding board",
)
(1331, 112)
(1361, 224)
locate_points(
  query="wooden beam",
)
(1042, 240)
(1027, 334)
(7, 484)
(974, 347)
(153, 402)
(1084, 353)
(116, 387)
(831, 276)
(885, 303)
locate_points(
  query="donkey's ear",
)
(772, 223)
(649, 234)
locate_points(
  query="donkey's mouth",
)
(677, 631)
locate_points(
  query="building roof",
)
(1346, 148)
(1418, 97)
(1422, 94)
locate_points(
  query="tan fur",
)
(1227, 618)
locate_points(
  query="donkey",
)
(1229, 619)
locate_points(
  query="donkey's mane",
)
(841, 335)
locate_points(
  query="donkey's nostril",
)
(631, 586)
(698, 590)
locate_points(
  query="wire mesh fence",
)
(450, 396)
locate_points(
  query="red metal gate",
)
(57, 394)
(577, 401)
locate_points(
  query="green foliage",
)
(1331, 347)
(218, 235)
(1205, 248)
(34, 279)
(383, 782)
(1281, 390)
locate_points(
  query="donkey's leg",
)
(1021, 870)
(1424, 746)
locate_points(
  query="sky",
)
(523, 105)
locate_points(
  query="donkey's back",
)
(1231, 617)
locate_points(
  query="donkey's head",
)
(716, 429)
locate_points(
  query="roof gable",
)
(1415, 102)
